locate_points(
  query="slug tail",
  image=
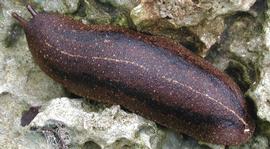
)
(21, 20)
(31, 10)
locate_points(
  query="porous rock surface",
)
(106, 127)
(187, 12)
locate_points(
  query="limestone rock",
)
(186, 12)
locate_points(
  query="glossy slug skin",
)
(151, 76)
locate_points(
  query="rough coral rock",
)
(62, 6)
(12, 134)
(187, 12)
(204, 18)
(260, 91)
(125, 4)
(108, 127)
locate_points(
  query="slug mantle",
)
(151, 76)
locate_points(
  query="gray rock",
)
(204, 18)
(108, 127)
(209, 33)
(260, 92)
(12, 134)
(73, 122)
(186, 12)
(124, 4)
(258, 142)
(61, 6)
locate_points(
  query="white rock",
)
(105, 127)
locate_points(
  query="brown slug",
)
(148, 75)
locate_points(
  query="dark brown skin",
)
(151, 76)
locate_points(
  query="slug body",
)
(151, 76)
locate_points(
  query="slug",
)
(148, 75)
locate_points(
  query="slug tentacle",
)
(20, 19)
(32, 10)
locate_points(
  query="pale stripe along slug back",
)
(151, 76)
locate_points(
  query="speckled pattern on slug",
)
(151, 76)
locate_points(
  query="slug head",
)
(32, 29)
(21, 20)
